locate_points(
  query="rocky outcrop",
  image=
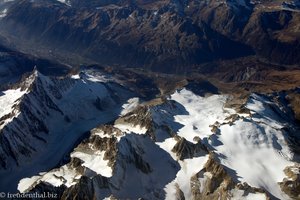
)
(142, 117)
(105, 144)
(139, 116)
(179, 193)
(85, 189)
(214, 182)
(131, 159)
(291, 184)
(185, 149)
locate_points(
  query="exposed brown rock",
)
(85, 189)
(140, 116)
(76, 164)
(291, 184)
(107, 130)
(107, 144)
(185, 149)
(217, 183)
(179, 194)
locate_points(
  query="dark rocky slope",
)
(170, 36)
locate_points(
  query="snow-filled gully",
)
(251, 146)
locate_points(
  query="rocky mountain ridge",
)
(204, 152)
(159, 35)
(40, 111)
(221, 123)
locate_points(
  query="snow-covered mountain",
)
(184, 147)
(42, 118)
(141, 99)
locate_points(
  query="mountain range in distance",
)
(143, 99)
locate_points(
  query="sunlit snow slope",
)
(186, 146)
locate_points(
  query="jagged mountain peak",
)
(205, 145)
(51, 108)
(32, 78)
(102, 131)
(14, 97)
(201, 140)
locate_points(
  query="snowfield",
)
(255, 153)
(95, 162)
(253, 147)
(202, 112)
(130, 105)
(8, 100)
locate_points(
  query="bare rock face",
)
(291, 184)
(185, 149)
(107, 130)
(85, 189)
(140, 116)
(179, 193)
(76, 163)
(106, 144)
(214, 182)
